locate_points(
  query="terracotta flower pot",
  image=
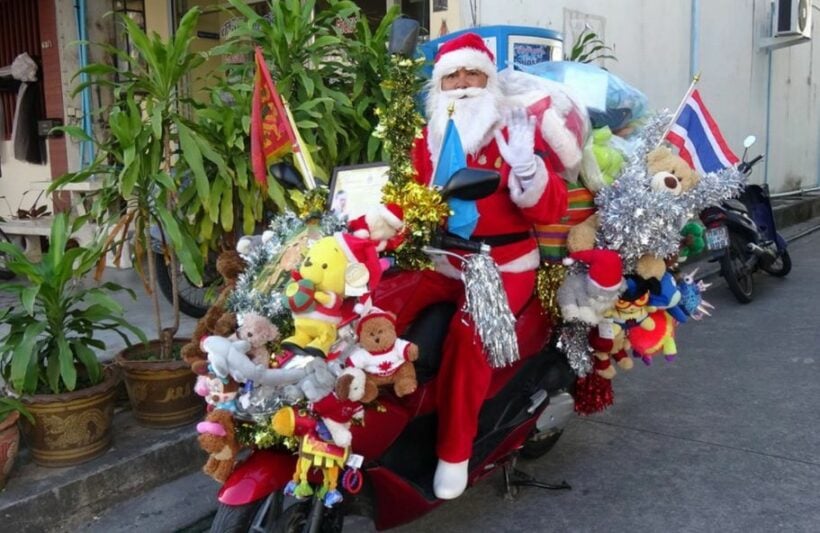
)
(71, 427)
(161, 392)
(9, 445)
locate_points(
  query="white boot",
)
(450, 479)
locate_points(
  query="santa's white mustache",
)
(467, 92)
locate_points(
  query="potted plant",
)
(151, 133)
(10, 411)
(46, 352)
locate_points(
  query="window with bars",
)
(19, 32)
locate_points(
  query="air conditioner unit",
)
(792, 18)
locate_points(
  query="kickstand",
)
(515, 478)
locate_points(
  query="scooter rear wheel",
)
(234, 518)
(781, 266)
(737, 276)
(535, 448)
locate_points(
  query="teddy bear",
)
(259, 332)
(585, 297)
(382, 224)
(217, 320)
(386, 359)
(337, 408)
(334, 267)
(217, 436)
(669, 172)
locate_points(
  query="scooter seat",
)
(428, 332)
(736, 205)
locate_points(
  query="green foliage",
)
(9, 405)
(150, 137)
(51, 331)
(588, 47)
(330, 79)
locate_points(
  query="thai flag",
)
(698, 139)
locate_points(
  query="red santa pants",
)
(464, 377)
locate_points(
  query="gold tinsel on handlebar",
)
(424, 211)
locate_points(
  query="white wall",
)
(652, 40)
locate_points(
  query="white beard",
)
(477, 112)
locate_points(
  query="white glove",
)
(519, 150)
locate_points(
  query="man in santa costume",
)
(494, 137)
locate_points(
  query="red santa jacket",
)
(544, 202)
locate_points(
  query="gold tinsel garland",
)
(424, 211)
(312, 203)
(549, 278)
(261, 436)
(400, 125)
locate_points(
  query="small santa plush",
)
(382, 224)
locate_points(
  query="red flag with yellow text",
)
(271, 133)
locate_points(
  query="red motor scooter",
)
(528, 407)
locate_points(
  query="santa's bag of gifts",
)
(609, 100)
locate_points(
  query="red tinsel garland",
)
(593, 394)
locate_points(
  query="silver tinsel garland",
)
(486, 303)
(574, 343)
(635, 220)
(246, 298)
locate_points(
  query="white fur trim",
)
(524, 263)
(351, 257)
(535, 186)
(560, 139)
(468, 58)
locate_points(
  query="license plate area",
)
(717, 238)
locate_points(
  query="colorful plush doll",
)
(334, 267)
(335, 411)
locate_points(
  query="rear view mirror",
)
(471, 184)
(285, 174)
(404, 33)
(748, 141)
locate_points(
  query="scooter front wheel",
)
(781, 266)
(234, 518)
(734, 270)
(297, 518)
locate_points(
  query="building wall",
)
(652, 40)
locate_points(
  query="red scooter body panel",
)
(262, 473)
(381, 427)
(397, 501)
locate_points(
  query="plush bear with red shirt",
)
(386, 359)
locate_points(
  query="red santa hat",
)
(358, 250)
(605, 268)
(469, 51)
(392, 214)
(374, 312)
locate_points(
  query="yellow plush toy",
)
(334, 267)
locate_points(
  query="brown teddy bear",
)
(670, 173)
(385, 358)
(259, 332)
(217, 321)
(217, 436)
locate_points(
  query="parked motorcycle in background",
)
(741, 235)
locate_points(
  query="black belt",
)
(499, 240)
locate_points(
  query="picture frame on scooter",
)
(356, 188)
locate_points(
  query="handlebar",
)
(441, 240)
(746, 166)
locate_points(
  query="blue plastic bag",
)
(609, 100)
